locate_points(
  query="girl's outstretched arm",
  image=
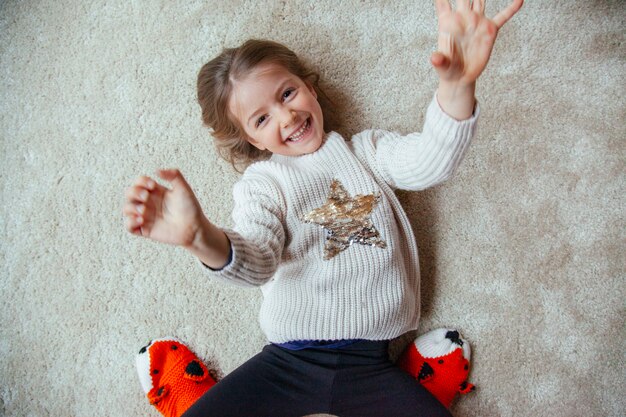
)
(465, 41)
(174, 216)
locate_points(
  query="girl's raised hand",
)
(466, 38)
(166, 215)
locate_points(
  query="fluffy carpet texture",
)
(522, 251)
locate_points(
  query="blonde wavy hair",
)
(215, 85)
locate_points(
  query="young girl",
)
(317, 225)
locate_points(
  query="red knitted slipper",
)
(172, 377)
(439, 359)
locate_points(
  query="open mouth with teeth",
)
(304, 129)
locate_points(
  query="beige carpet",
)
(523, 250)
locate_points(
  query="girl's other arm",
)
(465, 41)
(174, 216)
(258, 235)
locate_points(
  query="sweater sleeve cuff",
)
(247, 266)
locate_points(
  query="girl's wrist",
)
(457, 99)
(457, 87)
(210, 244)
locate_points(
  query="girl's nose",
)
(287, 118)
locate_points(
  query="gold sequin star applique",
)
(346, 220)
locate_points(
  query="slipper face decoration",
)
(440, 360)
(172, 376)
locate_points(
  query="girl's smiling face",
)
(278, 111)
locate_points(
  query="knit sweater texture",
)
(364, 292)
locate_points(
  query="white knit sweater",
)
(365, 292)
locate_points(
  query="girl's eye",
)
(287, 93)
(260, 120)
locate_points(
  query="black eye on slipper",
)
(143, 349)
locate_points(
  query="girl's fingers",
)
(439, 61)
(501, 18)
(137, 194)
(442, 6)
(133, 225)
(479, 6)
(134, 210)
(446, 45)
(462, 4)
(175, 177)
(138, 205)
(145, 182)
(143, 188)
